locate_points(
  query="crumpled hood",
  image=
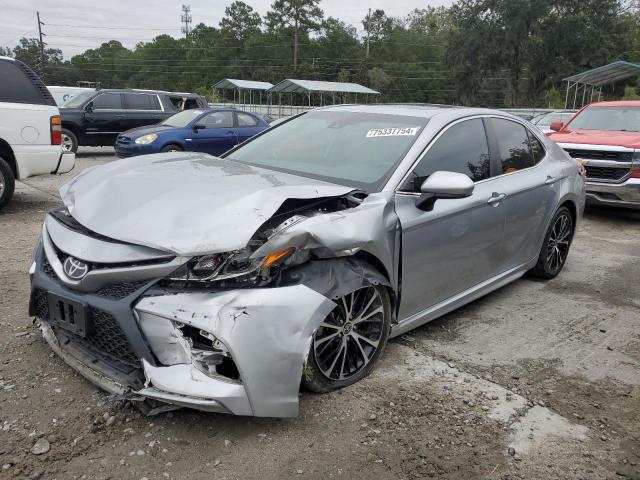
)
(597, 137)
(184, 203)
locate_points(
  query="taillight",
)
(56, 130)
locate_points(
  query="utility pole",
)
(186, 19)
(40, 34)
(368, 30)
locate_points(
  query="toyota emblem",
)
(75, 269)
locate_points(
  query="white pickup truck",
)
(30, 128)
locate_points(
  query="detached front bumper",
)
(143, 352)
(625, 195)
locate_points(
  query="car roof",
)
(425, 110)
(621, 103)
(142, 90)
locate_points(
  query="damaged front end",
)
(223, 331)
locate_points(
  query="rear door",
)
(218, 135)
(455, 246)
(104, 121)
(247, 126)
(531, 186)
(142, 109)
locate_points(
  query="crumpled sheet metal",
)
(184, 203)
(333, 278)
(371, 227)
(268, 332)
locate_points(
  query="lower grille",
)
(606, 173)
(104, 339)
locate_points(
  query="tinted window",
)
(513, 145)
(462, 148)
(536, 148)
(141, 101)
(246, 120)
(17, 87)
(218, 120)
(108, 101)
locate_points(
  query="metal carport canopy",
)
(304, 86)
(606, 74)
(235, 84)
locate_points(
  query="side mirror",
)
(445, 185)
(199, 126)
(556, 126)
(88, 107)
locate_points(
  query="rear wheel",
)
(69, 141)
(171, 148)
(555, 247)
(7, 183)
(349, 341)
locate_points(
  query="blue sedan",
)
(210, 131)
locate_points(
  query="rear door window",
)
(462, 148)
(141, 101)
(246, 120)
(536, 148)
(19, 84)
(108, 101)
(513, 145)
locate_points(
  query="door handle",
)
(550, 180)
(496, 198)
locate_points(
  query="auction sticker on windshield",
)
(392, 132)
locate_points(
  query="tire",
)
(337, 332)
(69, 141)
(555, 247)
(171, 148)
(7, 182)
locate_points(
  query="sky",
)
(74, 26)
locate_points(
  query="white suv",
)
(30, 128)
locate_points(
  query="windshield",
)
(354, 149)
(182, 119)
(79, 99)
(549, 118)
(619, 119)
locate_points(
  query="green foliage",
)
(631, 93)
(476, 52)
(553, 99)
(240, 20)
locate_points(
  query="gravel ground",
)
(535, 381)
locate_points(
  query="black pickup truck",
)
(96, 118)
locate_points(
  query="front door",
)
(104, 117)
(218, 135)
(455, 246)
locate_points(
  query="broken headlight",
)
(227, 266)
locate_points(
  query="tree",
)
(5, 52)
(28, 51)
(296, 15)
(241, 20)
(377, 25)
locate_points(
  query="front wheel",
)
(349, 341)
(7, 183)
(171, 148)
(555, 247)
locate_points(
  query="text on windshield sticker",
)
(392, 132)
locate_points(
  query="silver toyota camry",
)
(222, 284)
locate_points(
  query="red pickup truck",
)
(605, 136)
